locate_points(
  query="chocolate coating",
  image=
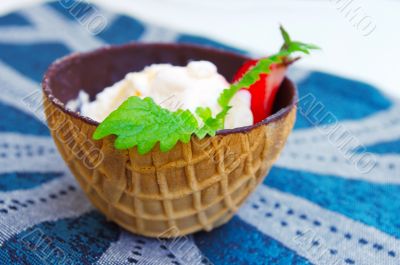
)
(96, 70)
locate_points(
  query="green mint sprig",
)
(289, 46)
(143, 123)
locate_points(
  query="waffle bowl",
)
(195, 186)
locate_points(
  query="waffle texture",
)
(195, 186)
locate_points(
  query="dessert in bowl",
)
(195, 183)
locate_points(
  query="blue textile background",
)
(317, 205)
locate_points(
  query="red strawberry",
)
(263, 91)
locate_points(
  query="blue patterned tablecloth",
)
(333, 197)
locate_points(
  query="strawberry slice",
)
(263, 91)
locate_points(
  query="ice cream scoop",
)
(172, 87)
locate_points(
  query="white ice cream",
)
(173, 87)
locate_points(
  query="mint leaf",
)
(211, 125)
(143, 123)
(285, 34)
(290, 46)
(204, 113)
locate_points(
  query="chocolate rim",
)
(66, 60)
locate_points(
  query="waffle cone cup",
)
(195, 186)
